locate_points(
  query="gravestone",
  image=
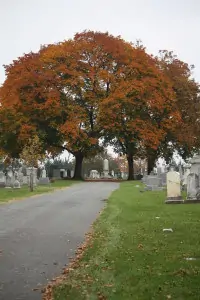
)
(9, 179)
(44, 181)
(144, 178)
(25, 180)
(173, 188)
(72, 173)
(180, 168)
(16, 184)
(192, 187)
(94, 174)
(28, 172)
(20, 176)
(153, 183)
(185, 175)
(2, 179)
(195, 164)
(159, 172)
(105, 168)
(43, 173)
(163, 177)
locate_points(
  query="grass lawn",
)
(13, 194)
(132, 258)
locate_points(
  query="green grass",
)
(14, 194)
(132, 258)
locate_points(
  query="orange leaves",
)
(26, 131)
(140, 100)
(94, 85)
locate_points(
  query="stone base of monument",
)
(16, 184)
(174, 200)
(153, 188)
(44, 181)
(191, 201)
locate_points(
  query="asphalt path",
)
(38, 235)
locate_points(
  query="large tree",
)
(57, 92)
(184, 137)
(141, 108)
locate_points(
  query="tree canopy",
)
(74, 93)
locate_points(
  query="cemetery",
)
(152, 245)
(100, 138)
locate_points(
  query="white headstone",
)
(44, 173)
(173, 188)
(192, 186)
(94, 174)
(105, 165)
(105, 168)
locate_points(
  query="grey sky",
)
(160, 24)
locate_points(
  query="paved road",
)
(40, 234)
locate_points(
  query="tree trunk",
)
(78, 166)
(151, 162)
(130, 167)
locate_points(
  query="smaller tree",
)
(31, 154)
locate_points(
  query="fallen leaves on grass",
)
(182, 272)
(140, 246)
(101, 297)
(108, 285)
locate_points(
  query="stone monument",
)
(43, 180)
(173, 188)
(186, 172)
(192, 187)
(94, 174)
(44, 173)
(195, 164)
(106, 169)
(34, 173)
(9, 178)
(2, 179)
(16, 184)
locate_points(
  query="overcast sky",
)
(160, 24)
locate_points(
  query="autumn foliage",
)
(94, 86)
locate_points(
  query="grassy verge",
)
(132, 258)
(14, 194)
